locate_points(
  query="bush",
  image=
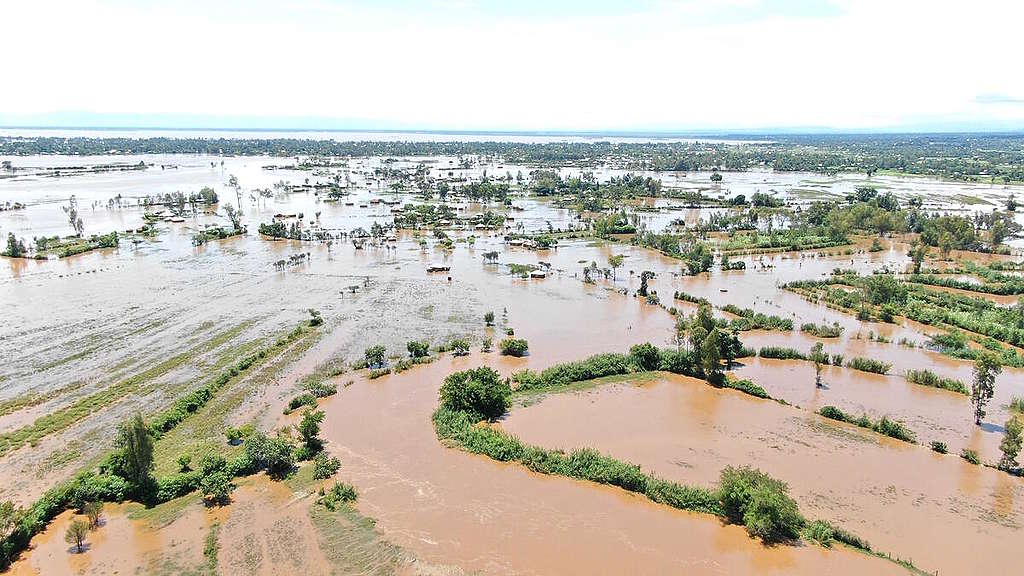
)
(339, 494)
(325, 466)
(375, 356)
(216, 488)
(276, 455)
(970, 455)
(517, 347)
(319, 388)
(479, 392)
(819, 531)
(929, 378)
(939, 447)
(747, 387)
(459, 346)
(645, 356)
(759, 502)
(868, 365)
(822, 330)
(837, 359)
(418, 349)
(781, 353)
(890, 428)
(304, 399)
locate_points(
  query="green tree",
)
(918, 252)
(216, 488)
(817, 351)
(15, 247)
(489, 318)
(375, 356)
(710, 356)
(986, 368)
(1011, 444)
(481, 392)
(418, 349)
(135, 446)
(309, 428)
(234, 216)
(93, 511)
(615, 261)
(76, 533)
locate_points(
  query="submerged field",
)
(229, 322)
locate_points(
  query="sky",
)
(532, 65)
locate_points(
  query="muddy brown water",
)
(111, 313)
(903, 499)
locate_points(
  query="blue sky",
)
(528, 65)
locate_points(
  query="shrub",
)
(489, 318)
(375, 356)
(304, 399)
(970, 455)
(325, 466)
(645, 356)
(819, 531)
(822, 330)
(837, 359)
(939, 447)
(747, 387)
(1017, 404)
(885, 426)
(929, 378)
(185, 462)
(513, 347)
(479, 392)
(868, 365)
(273, 454)
(781, 353)
(418, 349)
(340, 493)
(486, 345)
(216, 488)
(319, 388)
(459, 346)
(759, 502)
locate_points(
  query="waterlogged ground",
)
(95, 337)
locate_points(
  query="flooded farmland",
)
(230, 341)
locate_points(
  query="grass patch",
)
(868, 365)
(885, 426)
(928, 378)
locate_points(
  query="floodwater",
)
(78, 326)
(903, 499)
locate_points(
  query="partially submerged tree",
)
(1011, 444)
(93, 511)
(134, 460)
(986, 368)
(73, 217)
(615, 261)
(76, 533)
(375, 356)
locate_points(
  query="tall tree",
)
(1010, 446)
(136, 447)
(986, 368)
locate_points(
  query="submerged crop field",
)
(267, 354)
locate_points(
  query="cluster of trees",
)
(986, 157)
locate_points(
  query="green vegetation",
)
(822, 330)
(761, 503)
(513, 347)
(781, 353)
(885, 426)
(63, 418)
(325, 466)
(868, 365)
(1013, 436)
(926, 377)
(939, 447)
(986, 368)
(479, 392)
(971, 456)
(340, 493)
